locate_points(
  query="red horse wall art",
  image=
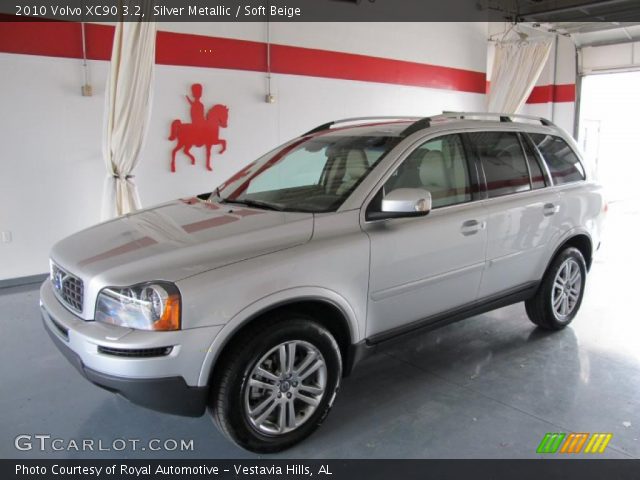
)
(203, 131)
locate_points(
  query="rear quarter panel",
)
(581, 212)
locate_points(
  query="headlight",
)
(149, 306)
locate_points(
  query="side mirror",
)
(402, 203)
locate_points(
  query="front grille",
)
(68, 288)
(136, 352)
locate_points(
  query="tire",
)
(237, 403)
(540, 308)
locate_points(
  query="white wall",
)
(52, 173)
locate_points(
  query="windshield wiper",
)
(255, 203)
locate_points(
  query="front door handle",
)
(471, 227)
(550, 209)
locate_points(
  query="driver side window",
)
(438, 166)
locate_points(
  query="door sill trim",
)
(503, 299)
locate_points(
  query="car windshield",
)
(312, 174)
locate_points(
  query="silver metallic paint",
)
(379, 274)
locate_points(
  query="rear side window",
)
(537, 177)
(563, 163)
(503, 161)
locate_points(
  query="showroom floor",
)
(490, 387)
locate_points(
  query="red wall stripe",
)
(348, 66)
(193, 51)
(55, 39)
(550, 93)
(63, 39)
(553, 94)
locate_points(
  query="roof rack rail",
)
(422, 123)
(504, 117)
(417, 125)
(326, 126)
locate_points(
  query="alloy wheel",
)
(285, 387)
(565, 292)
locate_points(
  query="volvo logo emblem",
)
(285, 386)
(58, 279)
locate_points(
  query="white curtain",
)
(516, 68)
(127, 112)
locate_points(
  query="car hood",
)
(179, 239)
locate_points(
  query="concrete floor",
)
(489, 387)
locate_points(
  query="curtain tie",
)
(123, 177)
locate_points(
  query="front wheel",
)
(558, 299)
(277, 383)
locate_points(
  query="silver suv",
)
(254, 301)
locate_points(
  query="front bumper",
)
(166, 383)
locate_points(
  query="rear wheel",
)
(558, 299)
(277, 383)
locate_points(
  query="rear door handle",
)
(471, 227)
(550, 209)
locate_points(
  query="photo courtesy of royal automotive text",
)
(339, 239)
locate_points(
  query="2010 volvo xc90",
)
(254, 301)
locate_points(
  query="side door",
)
(520, 209)
(424, 266)
(575, 205)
